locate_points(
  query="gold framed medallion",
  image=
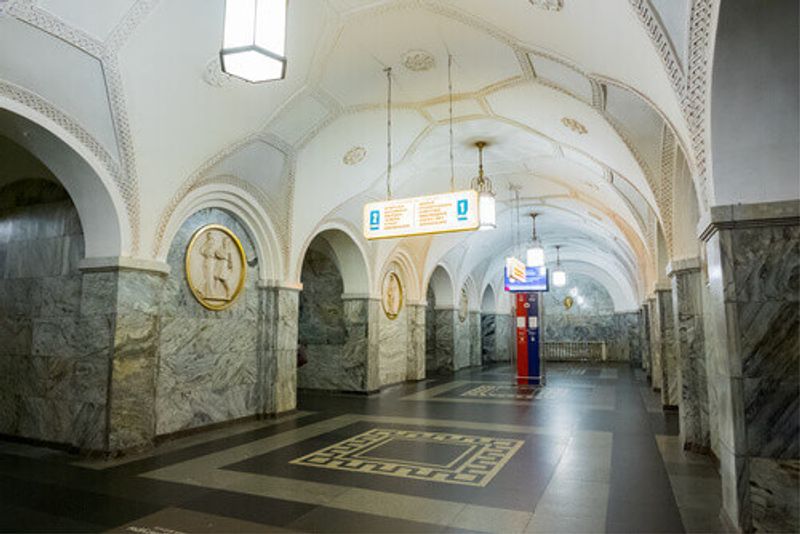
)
(216, 266)
(392, 295)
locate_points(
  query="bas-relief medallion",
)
(215, 266)
(463, 305)
(392, 295)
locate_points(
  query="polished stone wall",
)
(208, 365)
(594, 298)
(690, 353)
(620, 332)
(415, 367)
(55, 343)
(488, 338)
(443, 356)
(656, 374)
(462, 338)
(278, 369)
(669, 364)
(644, 331)
(394, 338)
(505, 336)
(475, 338)
(753, 261)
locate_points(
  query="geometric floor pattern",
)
(432, 456)
(522, 392)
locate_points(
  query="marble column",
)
(444, 355)
(474, 338)
(669, 364)
(656, 374)
(644, 329)
(687, 309)
(505, 337)
(415, 368)
(753, 263)
(361, 349)
(134, 362)
(488, 338)
(277, 365)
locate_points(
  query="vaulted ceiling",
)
(576, 99)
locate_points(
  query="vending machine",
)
(530, 369)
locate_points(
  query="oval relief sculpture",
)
(392, 295)
(215, 266)
(463, 305)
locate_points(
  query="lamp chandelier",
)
(559, 276)
(254, 40)
(535, 255)
(486, 200)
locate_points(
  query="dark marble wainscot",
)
(619, 331)
(505, 336)
(653, 314)
(685, 277)
(474, 338)
(644, 331)
(415, 366)
(443, 357)
(394, 339)
(488, 338)
(753, 255)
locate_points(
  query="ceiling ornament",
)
(418, 60)
(354, 156)
(574, 125)
(213, 74)
(549, 5)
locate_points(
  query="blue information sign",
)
(535, 280)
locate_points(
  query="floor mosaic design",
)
(494, 391)
(432, 456)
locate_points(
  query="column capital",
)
(685, 264)
(279, 284)
(780, 213)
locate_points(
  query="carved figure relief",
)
(392, 295)
(463, 305)
(215, 266)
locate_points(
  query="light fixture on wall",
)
(559, 276)
(486, 200)
(254, 40)
(535, 255)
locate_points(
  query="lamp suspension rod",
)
(533, 218)
(388, 71)
(450, 92)
(558, 255)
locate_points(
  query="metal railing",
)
(568, 351)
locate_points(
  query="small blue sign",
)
(375, 220)
(462, 207)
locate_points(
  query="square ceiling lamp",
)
(254, 40)
(559, 276)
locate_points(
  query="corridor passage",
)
(590, 452)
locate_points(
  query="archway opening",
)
(333, 346)
(439, 323)
(52, 358)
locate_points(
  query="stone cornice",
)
(123, 263)
(763, 214)
(278, 284)
(685, 264)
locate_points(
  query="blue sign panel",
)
(535, 280)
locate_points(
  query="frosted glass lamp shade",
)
(559, 278)
(486, 211)
(254, 41)
(535, 256)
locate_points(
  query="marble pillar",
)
(444, 353)
(488, 338)
(655, 344)
(687, 310)
(474, 338)
(134, 359)
(278, 361)
(359, 356)
(462, 342)
(669, 363)
(753, 262)
(644, 329)
(505, 337)
(415, 365)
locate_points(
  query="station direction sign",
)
(515, 269)
(432, 214)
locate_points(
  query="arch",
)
(349, 255)
(242, 204)
(441, 283)
(107, 228)
(488, 300)
(473, 297)
(409, 276)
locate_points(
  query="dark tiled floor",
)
(580, 465)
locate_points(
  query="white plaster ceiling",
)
(518, 72)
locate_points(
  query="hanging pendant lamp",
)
(486, 199)
(535, 255)
(559, 276)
